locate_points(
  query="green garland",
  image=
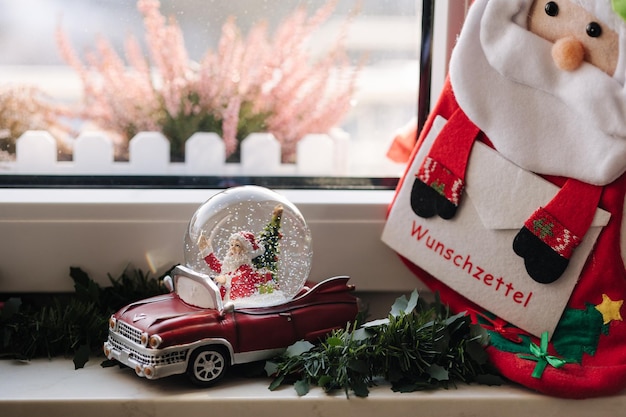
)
(418, 347)
(415, 348)
(74, 324)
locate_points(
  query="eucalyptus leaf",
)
(276, 383)
(360, 389)
(375, 323)
(109, 363)
(402, 305)
(438, 373)
(302, 387)
(411, 386)
(404, 388)
(270, 368)
(452, 319)
(299, 348)
(81, 356)
(325, 381)
(361, 334)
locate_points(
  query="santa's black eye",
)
(594, 29)
(552, 9)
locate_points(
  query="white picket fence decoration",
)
(93, 154)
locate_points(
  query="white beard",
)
(542, 119)
(231, 262)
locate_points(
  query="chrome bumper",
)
(148, 363)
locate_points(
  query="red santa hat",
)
(248, 242)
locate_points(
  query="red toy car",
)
(191, 330)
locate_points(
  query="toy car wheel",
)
(207, 365)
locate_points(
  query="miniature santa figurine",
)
(237, 277)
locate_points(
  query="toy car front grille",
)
(156, 359)
(129, 332)
(165, 359)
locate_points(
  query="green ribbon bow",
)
(540, 355)
(619, 6)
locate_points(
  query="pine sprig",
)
(415, 348)
(69, 324)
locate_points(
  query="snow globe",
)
(253, 243)
(240, 296)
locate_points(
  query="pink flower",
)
(249, 78)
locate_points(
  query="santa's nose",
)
(568, 53)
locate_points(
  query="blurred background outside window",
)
(381, 40)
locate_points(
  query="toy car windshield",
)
(196, 289)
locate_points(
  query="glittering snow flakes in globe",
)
(253, 243)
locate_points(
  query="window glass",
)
(381, 42)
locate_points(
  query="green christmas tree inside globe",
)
(254, 244)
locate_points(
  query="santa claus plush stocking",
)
(542, 83)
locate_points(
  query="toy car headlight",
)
(155, 341)
(112, 323)
(144, 339)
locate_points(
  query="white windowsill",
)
(54, 388)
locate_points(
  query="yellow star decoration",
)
(610, 309)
